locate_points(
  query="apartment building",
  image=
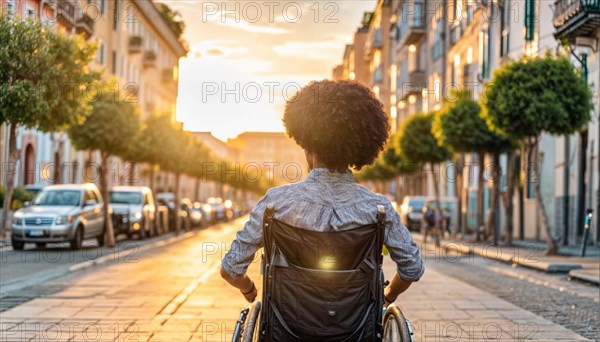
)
(135, 46)
(438, 46)
(272, 156)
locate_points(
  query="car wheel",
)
(18, 245)
(40, 244)
(100, 239)
(77, 241)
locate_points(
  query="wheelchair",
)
(322, 286)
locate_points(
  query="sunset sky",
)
(241, 69)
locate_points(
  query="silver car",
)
(133, 210)
(60, 213)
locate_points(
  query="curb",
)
(490, 252)
(584, 276)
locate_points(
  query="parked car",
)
(185, 210)
(411, 211)
(133, 211)
(198, 217)
(60, 213)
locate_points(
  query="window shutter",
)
(529, 20)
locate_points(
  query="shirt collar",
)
(324, 174)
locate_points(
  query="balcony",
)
(413, 84)
(411, 23)
(150, 59)
(85, 25)
(455, 34)
(168, 76)
(576, 18)
(66, 13)
(135, 44)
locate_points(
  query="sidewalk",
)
(530, 255)
(442, 308)
(175, 293)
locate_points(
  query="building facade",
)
(136, 48)
(445, 45)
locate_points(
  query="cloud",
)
(309, 49)
(214, 52)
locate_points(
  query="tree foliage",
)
(173, 19)
(535, 95)
(44, 76)
(109, 128)
(461, 128)
(417, 142)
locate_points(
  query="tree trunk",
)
(508, 198)
(480, 185)
(197, 190)
(437, 210)
(13, 158)
(109, 234)
(151, 176)
(132, 174)
(552, 248)
(497, 173)
(458, 186)
(177, 204)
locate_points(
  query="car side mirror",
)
(90, 203)
(27, 203)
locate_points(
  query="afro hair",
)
(341, 122)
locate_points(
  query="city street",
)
(173, 292)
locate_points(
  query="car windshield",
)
(416, 204)
(125, 197)
(58, 197)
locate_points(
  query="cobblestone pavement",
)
(553, 297)
(175, 293)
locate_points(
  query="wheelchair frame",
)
(395, 327)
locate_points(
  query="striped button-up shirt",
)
(325, 201)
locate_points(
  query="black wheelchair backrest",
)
(322, 286)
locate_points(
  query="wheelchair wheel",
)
(250, 331)
(395, 326)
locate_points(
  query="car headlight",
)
(17, 221)
(64, 219)
(136, 216)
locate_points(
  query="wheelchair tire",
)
(250, 332)
(395, 326)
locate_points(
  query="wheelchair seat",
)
(322, 286)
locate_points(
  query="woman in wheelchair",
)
(323, 237)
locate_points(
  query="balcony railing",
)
(411, 22)
(135, 44)
(85, 25)
(66, 12)
(168, 75)
(576, 17)
(411, 85)
(150, 59)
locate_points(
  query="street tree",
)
(179, 147)
(108, 129)
(535, 95)
(44, 84)
(460, 127)
(156, 132)
(417, 142)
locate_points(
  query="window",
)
(116, 15)
(101, 54)
(29, 12)
(437, 39)
(11, 7)
(114, 62)
(529, 20)
(504, 27)
(484, 54)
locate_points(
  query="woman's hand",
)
(251, 294)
